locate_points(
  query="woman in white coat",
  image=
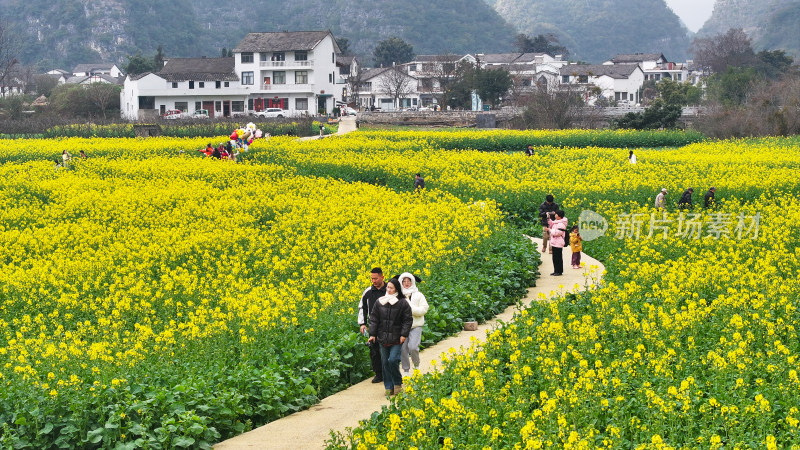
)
(419, 306)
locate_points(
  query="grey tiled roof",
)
(199, 69)
(499, 58)
(83, 68)
(634, 58)
(596, 70)
(283, 41)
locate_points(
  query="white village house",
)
(618, 82)
(388, 88)
(187, 84)
(295, 71)
(655, 66)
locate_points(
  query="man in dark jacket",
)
(419, 182)
(708, 199)
(376, 290)
(547, 207)
(686, 199)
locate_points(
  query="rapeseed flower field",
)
(152, 298)
(155, 298)
(690, 342)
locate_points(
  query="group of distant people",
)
(554, 235)
(685, 201)
(66, 159)
(222, 151)
(391, 315)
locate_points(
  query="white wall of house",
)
(187, 96)
(621, 89)
(299, 81)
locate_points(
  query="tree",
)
(139, 64)
(44, 84)
(344, 45)
(540, 44)
(392, 51)
(681, 94)
(10, 45)
(159, 58)
(732, 87)
(656, 116)
(104, 96)
(396, 84)
(492, 85)
(553, 107)
(441, 76)
(717, 53)
(775, 63)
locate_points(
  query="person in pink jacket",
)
(558, 232)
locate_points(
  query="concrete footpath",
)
(310, 429)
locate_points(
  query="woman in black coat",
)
(389, 324)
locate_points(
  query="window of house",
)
(279, 56)
(218, 84)
(201, 84)
(198, 105)
(583, 78)
(218, 105)
(247, 57)
(191, 84)
(279, 77)
(301, 104)
(247, 78)
(250, 104)
(330, 78)
(263, 56)
(227, 84)
(565, 78)
(333, 57)
(679, 77)
(237, 106)
(301, 56)
(412, 67)
(301, 77)
(183, 106)
(174, 85)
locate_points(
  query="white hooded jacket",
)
(415, 298)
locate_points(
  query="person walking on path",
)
(661, 201)
(419, 307)
(365, 306)
(321, 130)
(419, 182)
(631, 158)
(558, 231)
(389, 324)
(576, 245)
(685, 201)
(544, 209)
(708, 199)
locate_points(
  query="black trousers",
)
(375, 359)
(558, 260)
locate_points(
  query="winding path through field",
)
(310, 429)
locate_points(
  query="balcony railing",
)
(285, 64)
(288, 87)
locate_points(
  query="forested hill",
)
(771, 24)
(62, 33)
(595, 31)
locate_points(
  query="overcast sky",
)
(693, 12)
